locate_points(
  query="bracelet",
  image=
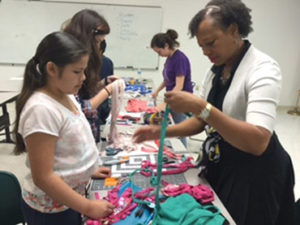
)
(108, 92)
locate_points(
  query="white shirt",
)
(76, 154)
(254, 91)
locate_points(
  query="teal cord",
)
(153, 181)
(159, 162)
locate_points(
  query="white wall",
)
(276, 32)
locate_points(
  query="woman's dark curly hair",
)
(225, 13)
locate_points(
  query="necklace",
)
(225, 76)
(224, 79)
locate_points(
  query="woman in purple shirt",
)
(177, 69)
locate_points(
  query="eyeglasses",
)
(98, 32)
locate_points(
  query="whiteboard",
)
(23, 24)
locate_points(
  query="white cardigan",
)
(254, 91)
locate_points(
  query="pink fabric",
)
(123, 142)
(123, 205)
(177, 168)
(151, 110)
(167, 151)
(143, 194)
(93, 222)
(115, 139)
(136, 105)
(117, 97)
(200, 192)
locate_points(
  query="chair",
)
(297, 212)
(10, 199)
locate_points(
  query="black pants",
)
(34, 217)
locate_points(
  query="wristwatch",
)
(204, 114)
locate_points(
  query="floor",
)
(287, 128)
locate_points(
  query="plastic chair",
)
(297, 212)
(10, 199)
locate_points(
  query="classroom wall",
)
(276, 32)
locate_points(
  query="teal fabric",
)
(185, 210)
(159, 162)
(131, 219)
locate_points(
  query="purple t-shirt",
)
(177, 64)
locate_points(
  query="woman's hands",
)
(155, 94)
(179, 101)
(102, 172)
(161, 107)
(182, 101)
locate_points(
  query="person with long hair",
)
(52, 129)
(90, 28)
(107, 69)
(244, 161)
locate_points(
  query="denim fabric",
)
(178, 118)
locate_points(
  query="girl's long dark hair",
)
(61, 49)
(83, 26)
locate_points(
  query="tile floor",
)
(287, 128)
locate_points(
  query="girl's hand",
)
(109, 87)
(146, 133)
(112, 78)
(99, 209)
(102, 172)
(115, 82)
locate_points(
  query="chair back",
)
(297, 212)
(10, 199)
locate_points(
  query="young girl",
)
(90, 29)
(54, 132)
(177, 69)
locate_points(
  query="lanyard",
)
(159, 162)
(155, 181)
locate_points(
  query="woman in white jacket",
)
(244, 161)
